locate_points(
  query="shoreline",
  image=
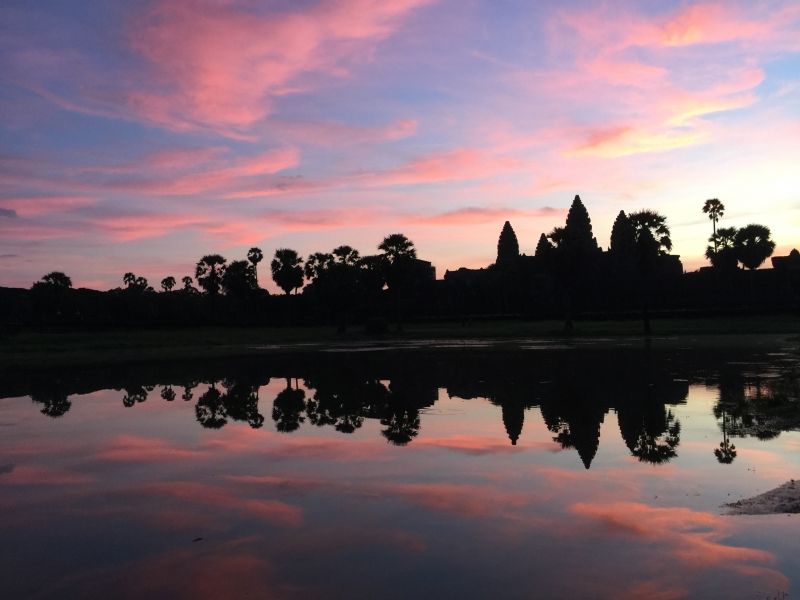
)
(31, 349)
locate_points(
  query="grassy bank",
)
(33, 349)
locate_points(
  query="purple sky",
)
(138, 136)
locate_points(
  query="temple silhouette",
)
(566, 276)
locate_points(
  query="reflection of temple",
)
(572, 389)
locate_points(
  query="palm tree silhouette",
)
(714, 209)
(255, 256)
(287, 270)
(753, 245)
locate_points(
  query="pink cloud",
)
(462, 164)
(332, 133)
(472, 215)
(222, 66)
(35, 206)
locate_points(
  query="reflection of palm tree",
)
(134, 395)
(726, 451)
(401, 425)
(55, 402)
(241, 402)
(210, 410)
(658, 447)
(187, 391)
(287, 409)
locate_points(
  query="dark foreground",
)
(527, 468)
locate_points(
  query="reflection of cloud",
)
(231, 569)
(32, 475)
(140, 449)
(272, 511)
(690, 537)
(460, 499)
(479, 445)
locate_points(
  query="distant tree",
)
(753, 245)
(397, 246)
(346, 255)
(721, 251)
(255, 256)
(187, 284)
(507, 245)
(168, 283)
(543, 248)
(317, 264)
(714, 209)
(55, 279)
(623, 237)
(135, 284)
(239, 279)
(287, 270)
(209, 271)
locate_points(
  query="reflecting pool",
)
(459, 470)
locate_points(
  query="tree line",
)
(568, 275)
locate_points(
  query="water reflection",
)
(573, 391)
(462, 473)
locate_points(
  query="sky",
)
(140, 135)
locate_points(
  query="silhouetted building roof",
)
(787, 263)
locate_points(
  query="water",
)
(518, 470)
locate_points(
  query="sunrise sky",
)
(140, 135)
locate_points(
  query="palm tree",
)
(129, 279)
(287, 270)
(753, 245)
(255, 256)
(714, 209)
(397, 246)
(722, 251)
(209, 271)
(649, 221)
(168, 283)
(653, 240)
(239, 279)
(187, 284)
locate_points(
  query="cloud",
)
(223, 65)
(472, 215)
(35, 206)
(8, 213)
